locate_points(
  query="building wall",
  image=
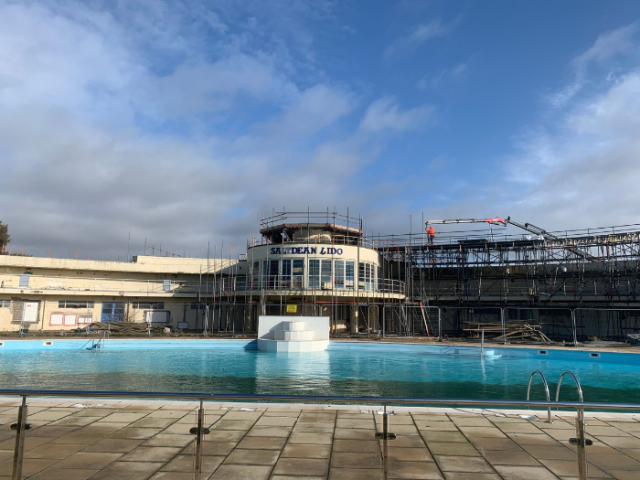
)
(174, 282)
(261, 262)
(51, 281)
(51, 309)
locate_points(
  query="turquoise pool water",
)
(344, 369)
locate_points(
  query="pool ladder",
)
(546, 388)
(96, 345)
(546, 391)
(580, 441)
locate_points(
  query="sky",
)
(182, 123)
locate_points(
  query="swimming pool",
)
(349, 369)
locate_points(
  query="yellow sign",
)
(292, 308)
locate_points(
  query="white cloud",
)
(385, 114)
(444, 77)
(585, 171)
(106, 125)
(606, 47)
(214, 87)
(418, 35)
(438, 163)
(313, 109)
(577, 167)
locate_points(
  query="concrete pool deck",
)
(137, 440)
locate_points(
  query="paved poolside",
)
(150, 440)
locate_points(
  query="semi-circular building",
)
(314, 268)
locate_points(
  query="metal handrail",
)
(580, 439)
(546, 390)
(575, 379)
(252, 398)
(200, 430)
(257, 283)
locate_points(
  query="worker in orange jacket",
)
(432, 233)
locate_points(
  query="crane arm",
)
(529, 227)
(492, 221)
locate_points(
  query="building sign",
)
(305, 251)
(292, 308)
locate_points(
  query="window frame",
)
(147, 305)
(76, 304)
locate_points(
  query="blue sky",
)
(185, 121)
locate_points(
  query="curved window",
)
(286, 273)
(314, 273)
(298, 273)
(323, 274)
(343, 277)
(320, 274)
(366, 276)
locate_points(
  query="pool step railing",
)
(546, 391)
(95, 345)
(575, 379)
(580, 440)
(200, 430)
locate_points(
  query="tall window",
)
(348, 274)
(298, 273)
(338, 279)
(286, 273)
(272, 273)
(256, 275)
(325, 274)
(314, 273)
(365, 276)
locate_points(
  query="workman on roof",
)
(432, 233)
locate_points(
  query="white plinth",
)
(293, 326)
(284, 346)
(293, 334)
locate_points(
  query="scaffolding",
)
(567, 286)
(538, 277)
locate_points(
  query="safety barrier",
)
(581, 442)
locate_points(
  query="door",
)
(30, 312)
(112, 312)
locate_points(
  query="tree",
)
(5, 238)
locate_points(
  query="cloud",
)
(606, 47)
(418, 35)
(312, 110)
(438, 163)
(444, 77)
(215, 87)
(584, 171)
(182, 126)
(385, 114)
(577, 166)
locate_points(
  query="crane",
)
(529, 227)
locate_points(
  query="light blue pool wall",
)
(552, 354)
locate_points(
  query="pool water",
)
(345, 369)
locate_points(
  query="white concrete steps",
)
(287, 336)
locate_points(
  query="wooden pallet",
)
(513, 331)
